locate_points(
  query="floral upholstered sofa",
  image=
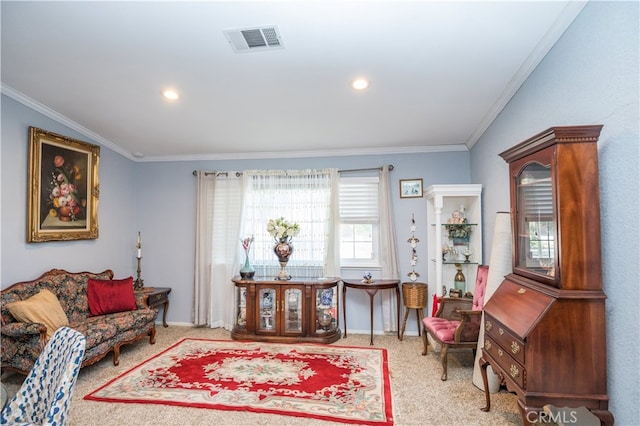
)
(23, 340)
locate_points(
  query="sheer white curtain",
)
(304, 197)
(388, 254)
(218, 212)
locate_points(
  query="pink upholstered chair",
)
(456, 323)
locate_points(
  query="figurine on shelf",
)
(457, 217)
(367, 278)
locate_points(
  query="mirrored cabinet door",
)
(293, 310)
(326, 309)
(241, 297)
(267, 308)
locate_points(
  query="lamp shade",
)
(500, 264)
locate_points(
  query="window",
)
(299, 196)
(359, 221)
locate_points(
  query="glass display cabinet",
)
(287, 311)
(545, 325)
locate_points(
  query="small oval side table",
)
(371, 289)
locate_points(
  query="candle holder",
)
(138, 284)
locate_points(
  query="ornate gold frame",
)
(63, 188)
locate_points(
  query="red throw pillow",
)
(110, 296)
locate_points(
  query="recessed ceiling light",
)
(360, 84)
(170, 94)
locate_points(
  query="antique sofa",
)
(110, 316)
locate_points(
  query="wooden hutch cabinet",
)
(545, 324)
(286, 311)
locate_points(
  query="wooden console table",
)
(371, 289)
(290, 311)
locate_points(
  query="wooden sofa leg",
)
(152, 336)
(443, 356)
(116, 355)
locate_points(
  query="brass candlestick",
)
(138, 284)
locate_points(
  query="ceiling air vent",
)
(253, 39)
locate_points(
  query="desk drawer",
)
(157, 298)
(505, 338)
(509, 366)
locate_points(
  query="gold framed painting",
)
(63, 188)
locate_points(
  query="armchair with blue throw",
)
(45, 396)
(456, 324)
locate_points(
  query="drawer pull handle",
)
(487, 345)
(500, 352)
(514, 371)
(515, 347)
(501, 331)
(521, 291)
(488, 325)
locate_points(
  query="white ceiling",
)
(440, 72)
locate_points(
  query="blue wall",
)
(589, 77)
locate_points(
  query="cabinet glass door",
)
(326, 309)
(267, 309)
(535, 221)
(292, 310)
(241, 318)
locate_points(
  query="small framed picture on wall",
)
(410, 188)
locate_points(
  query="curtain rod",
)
(238, 174)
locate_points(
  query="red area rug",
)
(335, 383)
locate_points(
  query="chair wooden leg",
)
(443, 357)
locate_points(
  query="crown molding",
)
(309, 154)
(48, 112)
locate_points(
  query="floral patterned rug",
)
(335, 383)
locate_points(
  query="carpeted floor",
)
(419, 396)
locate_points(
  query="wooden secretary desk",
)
(545, 324)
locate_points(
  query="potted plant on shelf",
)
(458, 229)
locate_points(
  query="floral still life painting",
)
(63, 188)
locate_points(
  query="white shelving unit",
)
(442, 201)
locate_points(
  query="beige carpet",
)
(419, 396)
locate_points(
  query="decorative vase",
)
(247, 271)
(64, 213)
(326, 297)
(459, 281)
(283, 250)
(325, 320)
